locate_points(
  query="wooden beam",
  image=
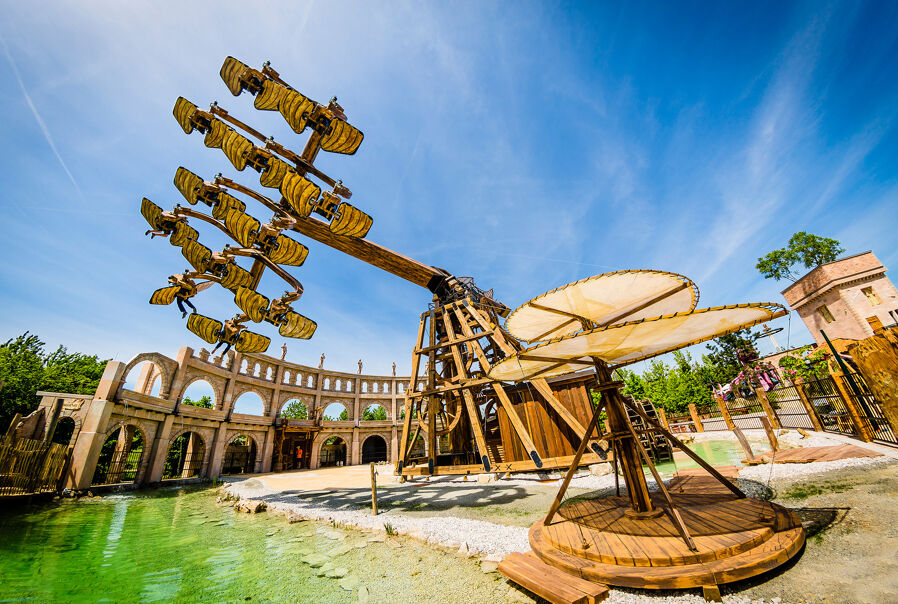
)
(644, 305)
(580, 318)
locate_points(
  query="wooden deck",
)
(735, 539)
(809, 454)
(550, 583)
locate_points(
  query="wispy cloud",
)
(38, 118)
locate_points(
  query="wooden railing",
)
(30, 466)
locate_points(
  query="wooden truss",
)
(449, 392)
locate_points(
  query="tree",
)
(26, 368)
(296, 409)
(204, 401)
(728, 354)
(343, 417)
(805, 248)
(374, 412)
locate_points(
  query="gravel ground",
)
(491, 519)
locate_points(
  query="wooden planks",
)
(549, 582)
(809, 454)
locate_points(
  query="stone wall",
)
(161, 418)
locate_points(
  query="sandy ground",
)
(851, 554)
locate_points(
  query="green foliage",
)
(727, 355)
(204, 401)
(391, 532)
(804, 248)
(374, 412)
(808, 367)
(26, 368)
(295, 410)
(343, 417)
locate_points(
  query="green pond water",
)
(179, 545)
(715, 452)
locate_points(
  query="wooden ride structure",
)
(699, 533)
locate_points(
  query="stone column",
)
(219, 443)
(268, 450)
(768, 408)
(122, 448)
(394, 443)
(696, 420)
(159, 450)
(177, 380)
(355, 448)
(725, 412)
(808, 407)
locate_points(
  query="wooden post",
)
(696, 420)
(771, 435)
(860, 426)
(663, 416)
(725, 412)
(373, 490)
(877, 359)
(749, 454)
(808, 407)
(11, 432)
(768, 408)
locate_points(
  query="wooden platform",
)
(735, 539)
(809, 454)
(550, 583)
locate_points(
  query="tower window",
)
(824, 312)
(872, 298)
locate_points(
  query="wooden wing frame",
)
(197, 254)
(164, 295)
(288, 251)
(350, 221)
(251, 302)
(243, 227)
(297, 326)
(235, 276)
(249, 342)
(342, 137)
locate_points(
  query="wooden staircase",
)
(550, 583)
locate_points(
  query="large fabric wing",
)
(188, 184)
(164, 295)
(252, 303)
(184, 111)
(296, 109)
(232, 72)
(269, 98)
(297, 326)
(274, 173)
(224, 204)
(182, 233)
(243, 227)
(350, 221)
(235, 276)
(289, 252)
(152, 213)
(197, 254)
(236, 147)
(342, 137)
(248, 342)
(300, 192)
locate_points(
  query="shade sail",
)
(605, 299)
(630, 342)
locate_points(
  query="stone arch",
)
(320, 441)
(119, 460)
(186, 457)
(215, 385)
(325, 405)
(66, 430)
(76, 417)
(166, 367)
(265, 401)
(376, 448)
(242, 461)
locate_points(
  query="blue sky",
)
(524, 144)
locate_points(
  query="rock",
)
(314, 560)
(363, 594)
(487, 478)
(250, 506)
(600, 469)
(349, 583)
(292, 517)
(378, 538)
(336, 573)
(489, 567)
(394, 544)
(339, 550)
(463, 550)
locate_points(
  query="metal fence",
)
(185, 466)
(120, 467)
(238, 460)
(871, 412)
(30, 466)
(746, 411)
(787, 405)
(827, 402)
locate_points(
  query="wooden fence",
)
(29, 467)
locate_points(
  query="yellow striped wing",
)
(182, 233)
(269, 98)
(224, 204)
(197, 254)
(296, 108)
(252, 303)
(184, 111)
(236, 147)
(300, 192)
(231, 72)
(206, 328)
(342, 138)
(235, 276)
(288, 251)
(152, 213)
(243, 227)
(188, 184)
(274, 173)
(350, 221)
(252, 342)
(216, 134)
(164, 295)
(297, 326)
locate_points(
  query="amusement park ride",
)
(471, 361)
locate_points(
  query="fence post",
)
(863, 430)
(696, 420)
(808, 407)
(725, 412)
(663, 416)
(768, 409)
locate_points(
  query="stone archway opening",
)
(294, 409)
(65, 429)
(240, 456)
(185, 457)
(199, 393)
(374, 412)
(120, 456)
(333, 453)
(249, 403)
(335, 412)
(374, 449)
(144, 378)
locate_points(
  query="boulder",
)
(292, 517)
(349, 582)
(315, 560)
(600, 469)
(336, 573)
(487, 478)
(250, 506)
(489, 567)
